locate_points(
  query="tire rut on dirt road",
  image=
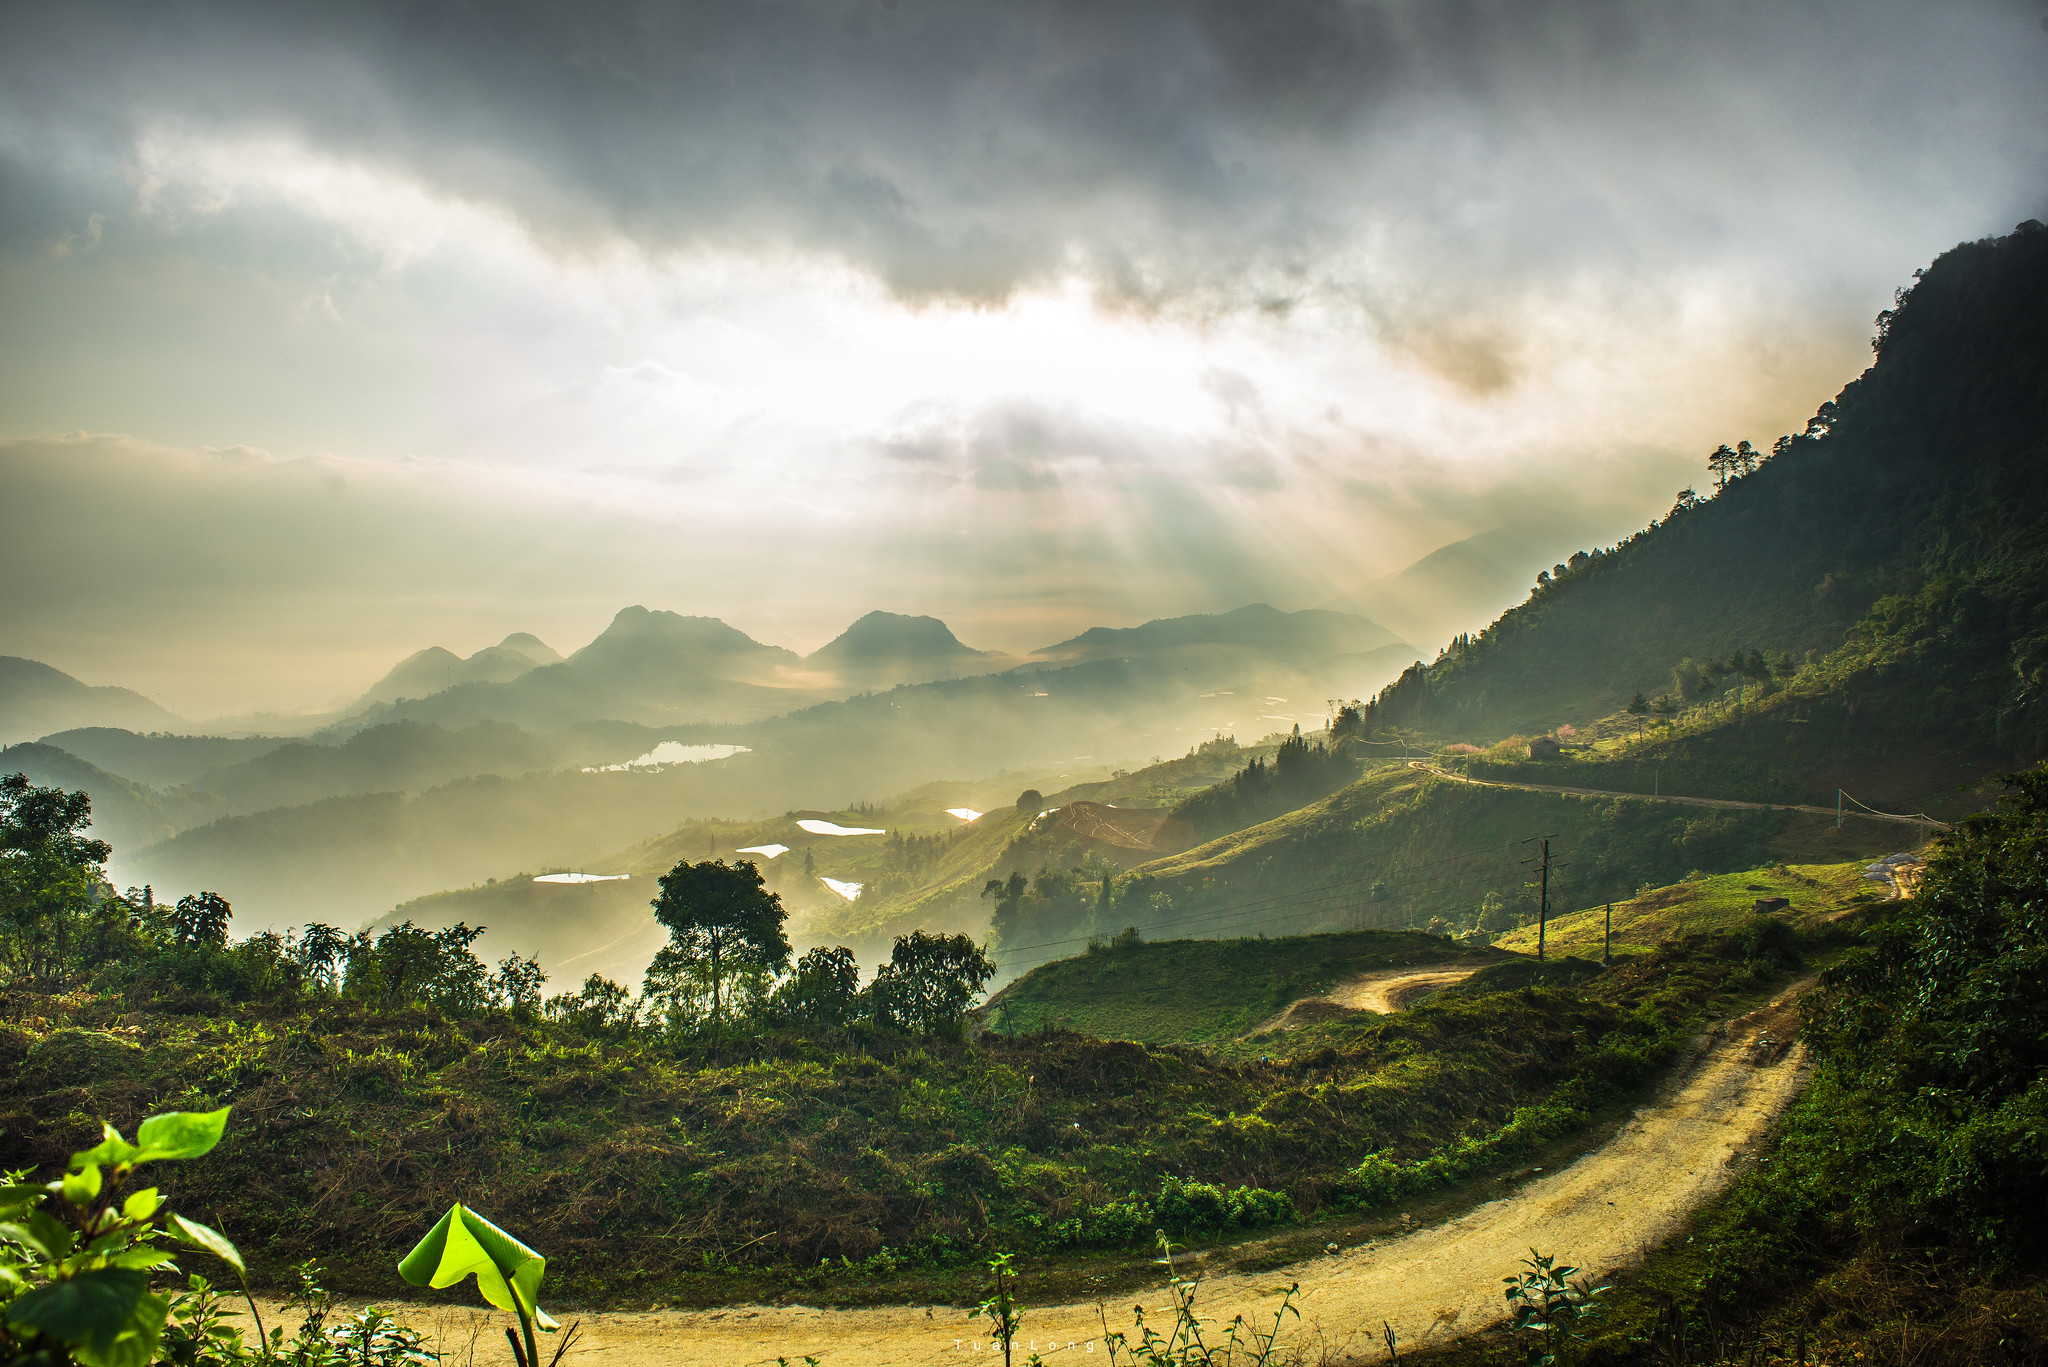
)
(1602, 1212)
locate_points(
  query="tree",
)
(825, 989)
(929, 982)
(320, 951)
(520, 980)
(1723, 464)
(202, 919)
(1638, 707)
(1747, 458)
(1030, 800)
(721, 921)
(49, 872)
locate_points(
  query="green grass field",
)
(1712, 903)
(1197, 991)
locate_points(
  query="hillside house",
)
(1544, 747)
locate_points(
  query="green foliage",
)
(76, 1253)
(999, 1307)
(1897, 1200)
(1185, 1342)
(929, 982)
(50, 872)
(1299, 774)
(733, 1161)
(1198, 991)
(1181, 1207)
(825, 990)
(201, 919)
(1551, 1308)
(463, 1244)
(722, 922)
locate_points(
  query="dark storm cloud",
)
(1223, 151)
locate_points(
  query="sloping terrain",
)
(1912, 515)
(36, 700)
(1197, 991)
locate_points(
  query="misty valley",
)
(1438, 897)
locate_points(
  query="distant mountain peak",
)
(531, 646)
(1314, 633)
(893, 636)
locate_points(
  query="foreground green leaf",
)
(465, 1244)
(212, 1240)
(180, 1134)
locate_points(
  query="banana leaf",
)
(465, 1244)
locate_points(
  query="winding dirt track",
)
(1602, 1212)
(1390, 991)
(1384, 991)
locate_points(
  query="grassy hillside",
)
(1401, 847)
(1710, 904)
(749, 1168)
(1196, 991)
(1912, 515)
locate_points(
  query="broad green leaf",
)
(112, 1150)
(144, 1257)
(27, 1238)
(82, 1186)
(19, 1196)
(180, 1134)
(141, 1205)
(90, 1309)
(53, 1233)
(136, 1344)
(212, 1240)
(465, 1244)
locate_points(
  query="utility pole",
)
(1607, 940)
(1838, 809)
(1543, 899)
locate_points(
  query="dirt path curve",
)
(1602, 1212)
(1730, 803)
(1384, 991)
(1392, 990)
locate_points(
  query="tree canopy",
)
(721, 920)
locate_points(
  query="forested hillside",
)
(1913, 511)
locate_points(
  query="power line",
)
(1305, 899)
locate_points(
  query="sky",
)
(332, 332)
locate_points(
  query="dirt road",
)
(1923, 823)
(1392, 990)
(1385, 991)
(1602, 1212)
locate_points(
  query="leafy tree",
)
(1030, 800)
(721, 921)
(202, 919)
(320, 951)
(50, 872)
(602, 1007)
(1724, 464)
(520, 982)
(929, 982)
(825, 989)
